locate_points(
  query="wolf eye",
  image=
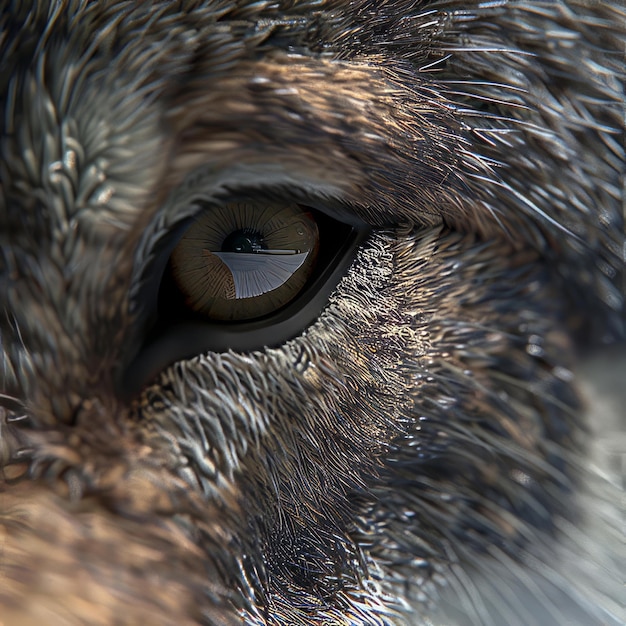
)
(237, 276)
(241, 261)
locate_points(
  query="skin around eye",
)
(242, 261)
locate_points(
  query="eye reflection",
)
(242, 261)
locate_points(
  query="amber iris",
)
(242, 261)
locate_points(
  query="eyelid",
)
(186, 340)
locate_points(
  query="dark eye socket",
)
(240, 276)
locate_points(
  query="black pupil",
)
(244, 240)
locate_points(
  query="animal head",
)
(393, 429)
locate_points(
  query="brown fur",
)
(421, 451)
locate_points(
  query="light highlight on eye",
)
(241, 261)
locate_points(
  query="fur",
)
(424, 451)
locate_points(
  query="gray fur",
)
(425, 452)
